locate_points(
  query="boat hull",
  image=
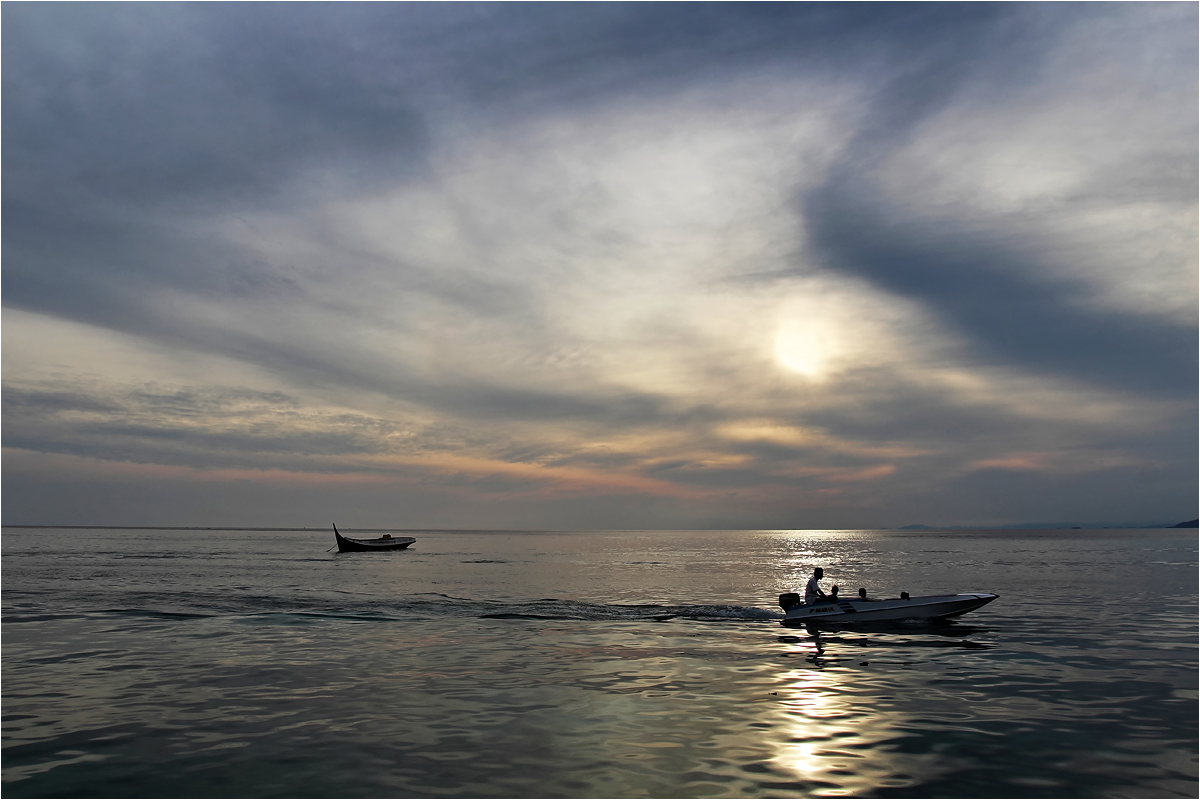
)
(345, 545)
(843, 612)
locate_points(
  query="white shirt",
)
(812, 592)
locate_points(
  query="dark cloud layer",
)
(115, 115)
(993, 293)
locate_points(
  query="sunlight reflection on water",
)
(835, 741)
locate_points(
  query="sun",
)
(804, 349)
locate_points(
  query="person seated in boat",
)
(862, 594)
(833, 593)
(812, 592)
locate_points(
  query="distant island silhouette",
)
(1049, 526)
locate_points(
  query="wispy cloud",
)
(746, 265)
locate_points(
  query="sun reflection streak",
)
(809, 702)
(837, 733)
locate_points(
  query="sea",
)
(615, 664)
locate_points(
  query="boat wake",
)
(570, 609)
(266, 609)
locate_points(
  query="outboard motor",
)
(788, 600)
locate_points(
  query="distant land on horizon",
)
(1046, 526)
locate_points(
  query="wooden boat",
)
(385, 542)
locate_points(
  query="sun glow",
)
(805, 349)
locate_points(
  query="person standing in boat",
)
(812, 592)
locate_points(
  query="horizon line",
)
(907, 528)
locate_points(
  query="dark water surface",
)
(627, 664)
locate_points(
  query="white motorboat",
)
(856, 610)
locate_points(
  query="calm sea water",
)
(619, 664)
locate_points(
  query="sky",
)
(599, 265)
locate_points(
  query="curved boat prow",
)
(981, 598)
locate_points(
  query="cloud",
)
(756, 258)
(1021, 214)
